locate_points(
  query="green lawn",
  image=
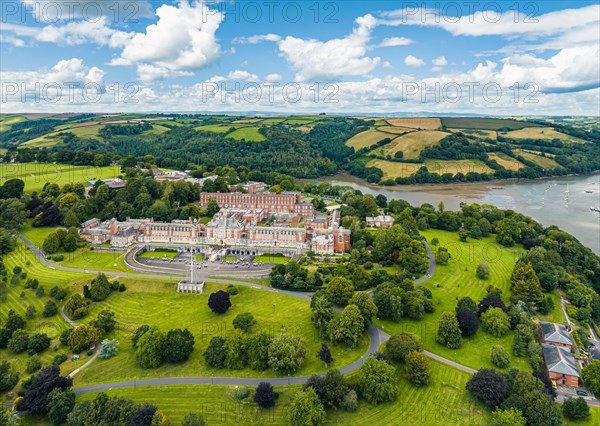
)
(215, 128)
(249, 134)
(111, 262)
(458, 279)
(229, 258)
(267, 258)
(157, 303)
(36, 175)
(158, 254)
(37, 235)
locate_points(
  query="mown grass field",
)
(158, 254)
(425, 123)
(505, 161)
(157, 303)
(393, 169)
(542, 133)
(366, 139)
(52, 139)
(412, 144)
(249, 134)
(109, 262)
(456, 280)
(35, 175)
(544, 162)
(277, 260)
(484, 123)
(396, 130)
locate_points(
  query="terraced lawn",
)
(456, 280)
(36, 175)
(157, 303)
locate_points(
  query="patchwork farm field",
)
(157, 303)
(250, 134)
(544, 162)
(393, 169)
(412, 144)
(546, 133)
(458, 279)
(484, 123)
(506, 161)
(479, 133)
(366, 139)
(426, 123)
(36, 175)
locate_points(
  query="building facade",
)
(286, 202)
(561, 365)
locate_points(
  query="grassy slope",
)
(506, 161)
(484, 123)
(157, 303)
(456, 280)
(393, 169)
(249, 134)
(36, 175)
(366, 139)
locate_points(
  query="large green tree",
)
(399, 346)
(306, 409)
(348, 327)
(367, 308)
(286, 353)
(341, 290)
(449, 333)
(525, 284)
(150, 349)
(377, 381)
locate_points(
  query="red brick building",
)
(286, 202)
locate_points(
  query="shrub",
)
(242, 393)
(108, 349)
(350, 401)
(219, 302)
(38, 343)
(40, 292)
(244, 321)
(33, 365)
(59, 359)
(467, 322)
(483, 271)
(495, 321)
(232, 290)
(58, 257)
(50, 309)
(576, 408)
(500, 358)
(58, 293)
(122, 287)
(418, 369)
(265, 395)
(18, 342)
(399, 346)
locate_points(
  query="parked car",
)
(581, 393)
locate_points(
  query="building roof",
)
(555, 333)
(559, 360)
(90, 222)
(380, 218)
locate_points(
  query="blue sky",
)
(294, 57)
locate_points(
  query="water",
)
(562, 201)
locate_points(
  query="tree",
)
(105, 321)
(495, 321)
(14, 321)
(219, 302)
(576, 408)
(160, 419)
(324, 355)
(350, 402)
(215, 354)
(265, 395)
(139, 332)
(82, 337)
(510, 417)
(467, 304)
(322, 312)
(341, 290)
(525, 284)
(179, 345)
(8, 417)
(489, 386)
(348, 327)
(467, 322)
(388, 299)
(58, 293)
(377, 381)
(306, 409)
(52, 243)
(483, 271)
(143, 415)
(244, 321)
(60, 403)
(334, 388)
(8, 377)
(36, 395)
(540, 410)
(418, 369)
(37, 343)
(442, 257)
(71, 219)
(399, 346)
(100, 288)
(212, 208)
(76, 307)
(591, 376)
(258, 350)
(18, 342)
(108, 348)
(492, 300)
(286, 353)
(193, 419)
(500, 358)
(12, 188)
(367, 308)
(236, 350)
(150, 349)
(8, 241)
(449, 333)
(13, 213)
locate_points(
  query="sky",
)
(346, 57)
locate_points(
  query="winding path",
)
(376, 335)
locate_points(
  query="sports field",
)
(35, 175)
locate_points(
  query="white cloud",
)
(395, 41)
(242, 75)
(440, 61)
(149, 73)
(273, 78)
(9, 39)
(413, 61)
(55, 11)
(255, 39)
(437, 69)
(183, 38)
(314, 59)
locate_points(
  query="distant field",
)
(395, 129)
(484, 123)
(393, 169)
(413, 143)
(366, 139)
(488, 134)
(273, 120)
(541, 133)
(215, 128)
(381, 123)
(294, 121)
(35, 175)
(249, 134)
(505, 161)
(425, 123)
(6, 122)
(544, 162)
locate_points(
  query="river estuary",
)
(564, 201)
